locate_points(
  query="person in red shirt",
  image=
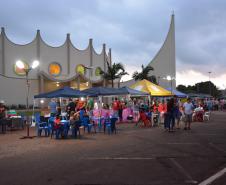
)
(115, 107)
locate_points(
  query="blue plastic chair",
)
(65, 127)
(107, 125)
(110, 125)
(86, 123)
(41, 125)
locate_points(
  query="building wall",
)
(14, 52)
(1, 70)
(164, 63)
(66, 55)
(13, 91)
(49, 54)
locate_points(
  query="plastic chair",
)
(107, 125)
(206, 116)
(110, 124)
(86, 123)
(41, 125)
(65, 127)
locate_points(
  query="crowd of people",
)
(143, 111)
(146, 113)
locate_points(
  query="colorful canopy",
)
(152, 89)
(63, 92)
(177, 93)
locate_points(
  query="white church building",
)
(67, 66)
(59, 66)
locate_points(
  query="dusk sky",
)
(135, 30)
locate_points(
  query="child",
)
(57, 126)
(144, 119)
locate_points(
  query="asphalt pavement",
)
(133, 156)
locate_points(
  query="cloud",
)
(135, 30)
(189, 77)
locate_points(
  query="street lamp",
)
(21, 65)
(170, 78)
(209, 82)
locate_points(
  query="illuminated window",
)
(80, 69)
(19, 71)
(54, 69)
(97, 71)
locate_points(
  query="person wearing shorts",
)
(188, 111)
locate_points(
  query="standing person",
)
(135, 110)
(188, 110)
(171, 114)
(53, 107)
(70, 107)
(90, 105)
(2, 116)
(122, 105)
(58, 107)
(161, 111)
(75, 123)
(178, 114)
(115, 107)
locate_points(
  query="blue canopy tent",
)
(200, 95)
(177, 93)
(101, 91)
(132, 92)
(65, 92)
(107, 91)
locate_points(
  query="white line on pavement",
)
(183, 171)
(182, 143)
(217, 148)
(213, 177)
(120, 158)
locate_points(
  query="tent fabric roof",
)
(106, 91)
(127, 90)
(177, 93)
(200, 95)
(151, 88)
(101, 91)
(63, 92)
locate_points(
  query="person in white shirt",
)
(188, 111)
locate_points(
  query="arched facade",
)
(59, 66)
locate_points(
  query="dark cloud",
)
(135, 30)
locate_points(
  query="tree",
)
(182, 88)
(144, 74)
(115, 71)
(202, 87)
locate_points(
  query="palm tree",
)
(113, 72)
(144, 74)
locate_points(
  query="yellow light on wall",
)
(54, 69)
(97, 71)
(80, 69)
